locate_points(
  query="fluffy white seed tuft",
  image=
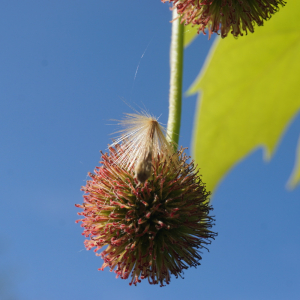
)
(143, 139)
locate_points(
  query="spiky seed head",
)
(228, 16)
(151, 230)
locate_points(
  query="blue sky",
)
(65, 69)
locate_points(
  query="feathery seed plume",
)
(143, 138)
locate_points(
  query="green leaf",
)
(295, 177)
(250, 93)
(190, 33)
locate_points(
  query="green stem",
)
(176, 66)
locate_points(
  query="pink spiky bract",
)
(153, 229)
(225, 16)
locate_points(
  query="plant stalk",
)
(176, 74)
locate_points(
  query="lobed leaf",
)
(248, 95)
